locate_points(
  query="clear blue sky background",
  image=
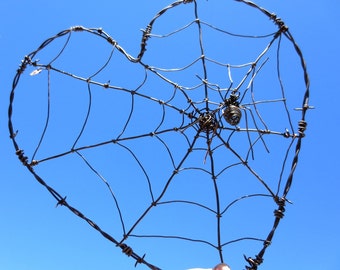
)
(36, 236)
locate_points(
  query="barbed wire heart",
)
(194, 140)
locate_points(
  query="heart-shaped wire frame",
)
(221, 127)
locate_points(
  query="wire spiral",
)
(232, 114)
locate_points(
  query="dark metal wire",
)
(207, 119)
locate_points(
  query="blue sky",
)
(36, 235)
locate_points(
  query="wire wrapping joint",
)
(34, 162)
(279, 22)
(146, 36)
(280, 201)
(27, 60)
(302, 127)
(286, 134)
(77, 28)
(111, 41)
(22, 157)
(254, 263)
(267, 243)
(126, 249)
(279, 213)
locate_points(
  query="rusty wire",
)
(228, 119)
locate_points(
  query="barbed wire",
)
(220, 131)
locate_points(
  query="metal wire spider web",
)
(194, 141)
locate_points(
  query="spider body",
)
(232, 114)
